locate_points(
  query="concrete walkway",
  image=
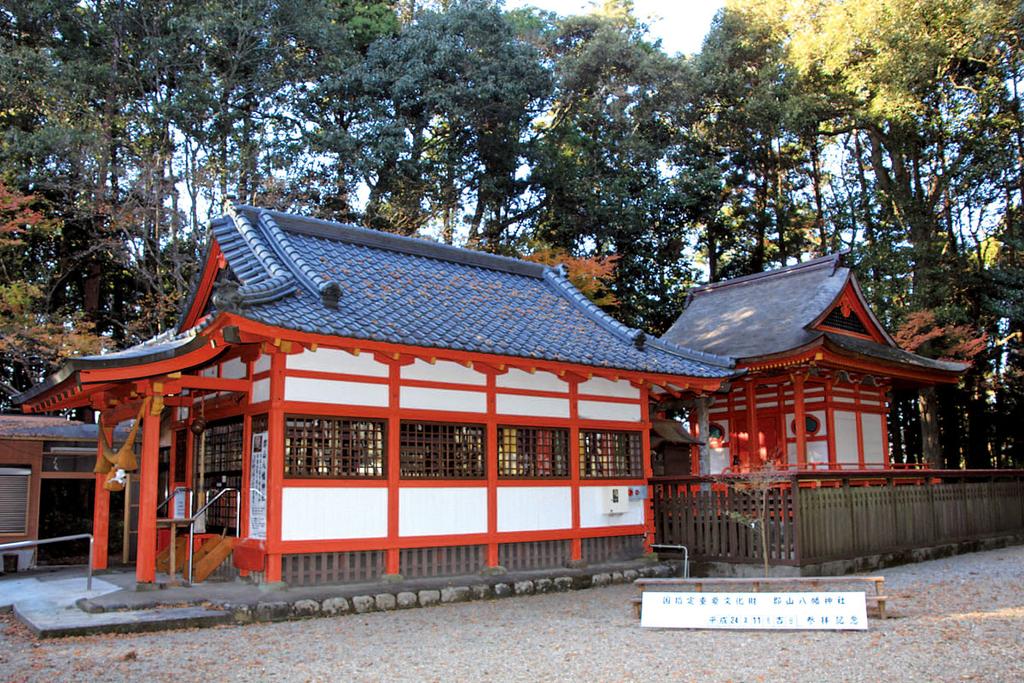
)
(56, 604)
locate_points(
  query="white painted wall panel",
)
(234, 369)
(871, 425)
(819, 414)
(719, 459)
(601, 410)
(534, 508)
(443, 371)
(539, 406)
(261, 390)
(599, 386)
(336, 360)
(262, 364)
(817, 451)
(439, 511)
(443, 399)
(538, 381)
(314, 514)
(846, 437)
(335, 392)
(591, 506)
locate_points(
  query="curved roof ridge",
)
(416, 246)
(561, 284)
(833, 260)
(691, 354)
(290, 256)
(261, 271)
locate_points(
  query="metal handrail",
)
(192, 521)
(57, 539)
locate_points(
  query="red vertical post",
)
(859, 408)
(392, 556)
(752, 441)
(275, 466)
(830, 424)
(145, 558)
(799, 421)
(576, 550)
(101, 508)
(492, 470)
(645, 439)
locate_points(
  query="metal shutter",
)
(14, 500)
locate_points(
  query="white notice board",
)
(791, 611)
(258, 487)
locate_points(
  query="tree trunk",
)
(928, 407)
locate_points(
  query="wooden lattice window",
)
(218, 456)
(533, 452)
(431, 450)
(332, 447)
(845, 320)
(610, 454)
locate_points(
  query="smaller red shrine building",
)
(819, 369)
(383, 405)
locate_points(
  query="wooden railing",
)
(815, 517)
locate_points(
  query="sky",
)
(680, 24)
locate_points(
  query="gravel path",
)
(960, 618)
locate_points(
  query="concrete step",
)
(47, 620)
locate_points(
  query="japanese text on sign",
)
(258, 487)
(791, 611)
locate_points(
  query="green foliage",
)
(892, 128)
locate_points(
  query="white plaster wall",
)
(262, 364)
(261, 390)
(443, 371)
(719, 459)
(592, 504)
(846, 437)
(820, 414)
(602, 410)
(538, 381)
(443, 399)
(234, 369)
(336, 360)
(437, 511)
(871, 425)
(539, 406)
(335, 392)
(534, 508)
(599, 386)
(313, 514)
(817, 451)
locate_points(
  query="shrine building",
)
(819, 370)
(352, 404)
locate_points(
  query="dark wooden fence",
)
(816, 517)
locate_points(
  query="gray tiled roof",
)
(771, 313)
(342, 280)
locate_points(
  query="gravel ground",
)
(960, 618)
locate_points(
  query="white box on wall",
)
(616, 500)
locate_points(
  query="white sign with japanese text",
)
(258, 487)
(807, 611)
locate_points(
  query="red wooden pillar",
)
(645, 417)
(859, 408)
(576, 550)
(799, 421)
(491, 469)
(830, 424)
(392, 555)
(752, 440)
(145, 558)
(275, 466)
(101, 509)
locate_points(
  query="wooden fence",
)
(814, 518)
